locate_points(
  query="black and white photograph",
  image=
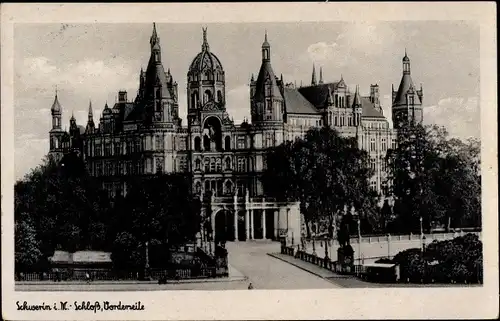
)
(169, 157)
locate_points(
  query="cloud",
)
(460, 116)
(238, 103)
(353, 43)
(322, 51)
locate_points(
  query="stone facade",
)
(146, 136)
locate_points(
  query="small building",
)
(76, 265)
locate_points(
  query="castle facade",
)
(145, 135)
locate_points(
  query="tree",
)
(64, 205)
(326, 172)
(27, 251)
(159, 210)
(434, 178)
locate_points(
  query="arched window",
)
(218, 166)
(206, 142)
(197, 188)
(207, 186)
(197, 164)
(227, 163)
(207, 164)
(219, 96)
(228, 187)
(194, 99)
(207, 96)
(197, 144)
(212, 164)
(227, 143)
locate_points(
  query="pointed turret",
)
(90, 122)
(56, 106)
(320, 75)
(356, 102)
(267, 100)
(407, 101)
(154, 40)
(313, 77)
(330, 97)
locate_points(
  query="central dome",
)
(205, 60)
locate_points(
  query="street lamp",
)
(421, 233)
(146, 266)
(359, 240)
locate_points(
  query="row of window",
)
(383, 144)
(306, 122)
(220, 188)
(146, 166)
(343, 120)
(383, 164)
(214, 165)
(130, 146)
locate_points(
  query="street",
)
(266, 272)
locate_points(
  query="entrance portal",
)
(224, 226)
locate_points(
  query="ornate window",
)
(158, 142)
(197, 187)
(228, 187)
(219, 96)
(159, 165)
(207, 164)
(241, 164)
(227, 143)
(241, 142)
(218, 165)
(197, 144)
(212, 164)
(197, 163)
(228, 163)
(373, 164)
(384, 144)
(373, 145)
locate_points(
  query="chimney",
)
(122, 96)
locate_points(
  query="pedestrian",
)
(250, 286)
(87, 276)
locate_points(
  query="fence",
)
(110, 275)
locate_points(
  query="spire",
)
(90, 109)
(205, 46)
(320, 75)
(357, 99)
(281, 78)
(154, 37)
(56, 106)
(252, 79)
(313, 78)
(330, 97)
(266, 49)
(72, 116)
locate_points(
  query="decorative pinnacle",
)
(205, 46)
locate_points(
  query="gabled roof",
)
(295, 103)
(318, 95)
(368, 109)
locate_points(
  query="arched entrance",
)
(224, 226)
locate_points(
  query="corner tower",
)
(158, 91)
(266, 100)
(407, 100)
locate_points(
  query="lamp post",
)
(314, 247)
(388, 246)
(359, 240)
(326, 249)
(146, 265)
(421, 234)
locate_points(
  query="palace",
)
(146, 136)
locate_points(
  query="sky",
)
(92, 62)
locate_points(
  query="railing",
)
(108, 275)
